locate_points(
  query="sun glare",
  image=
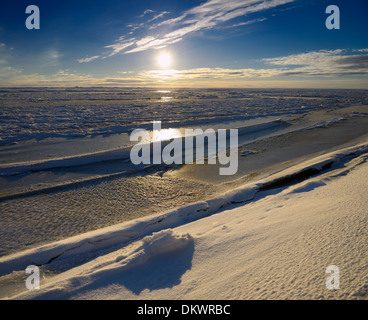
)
(164, 60)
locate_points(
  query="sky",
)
(171, 43)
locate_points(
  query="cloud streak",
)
(207, 15)
(88, 59)
(339, 62)
(146, 12)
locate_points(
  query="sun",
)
(164, 60)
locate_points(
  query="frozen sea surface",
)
(64, 153)
(42, 113)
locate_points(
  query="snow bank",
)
(120, 234)
(277, 247)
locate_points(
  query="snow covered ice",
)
(101, 227)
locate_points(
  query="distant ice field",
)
(43, 113)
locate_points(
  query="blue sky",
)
(233, 43)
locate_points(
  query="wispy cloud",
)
(10, 76)
(209, 73)
(145, 12)
(158, 16)
(321, 57)
(120, 45)
(337, 62)
(207, 15)
(145, 24)
(240, 24)
(88, 59)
